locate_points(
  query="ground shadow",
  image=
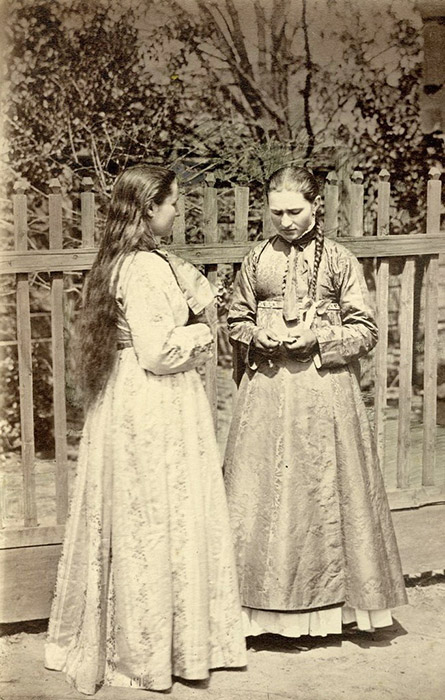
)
(27, 627)
(429, 578)
(379, 638)
(198, 684)
(205, 683)
(382, 637)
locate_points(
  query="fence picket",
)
(241, 214)
(240, 236)
(179, 223)
(57, 262)
(405, 372)
(356, 210)
(25, 360)
(267, 221)
(58, 355)
(210, 228)
(431, 334)
(382, 297)
(331, 204)
(87, 212)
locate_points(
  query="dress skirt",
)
(309, 512)
(147, 584)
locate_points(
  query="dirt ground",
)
(402, 662)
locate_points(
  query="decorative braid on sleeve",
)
(256, 254)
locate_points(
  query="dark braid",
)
(301, 180)
(319, 245)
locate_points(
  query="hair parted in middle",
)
(296, 179)
(302, 180)
(127, 230)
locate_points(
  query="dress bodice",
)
(340, 315)
(273, 266)
(272, 270)
(153, 317)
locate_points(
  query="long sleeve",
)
(357, 334)
(154, 308)
(241, 318)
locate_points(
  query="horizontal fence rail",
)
(380, 249)
(78, 260)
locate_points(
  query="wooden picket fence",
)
(58, 261)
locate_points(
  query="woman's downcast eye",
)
(290, 212)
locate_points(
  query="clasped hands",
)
(300, 345)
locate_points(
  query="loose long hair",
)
(126, 230)
(301, 180)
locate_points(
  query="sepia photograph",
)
(222, 349)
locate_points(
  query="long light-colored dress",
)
(313, 533)
(147, 585)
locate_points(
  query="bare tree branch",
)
(308, 82)
(262, 48)
(238, 39)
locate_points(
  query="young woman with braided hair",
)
(313, 535)
(147, 586)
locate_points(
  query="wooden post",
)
(179, 223)
(431, 333)
(210, 227)
(25, 359)
(356, 207)
(267, 221)
(331, 205)
(58, 355)
(405, 371)
(357, 196)
(87, 213)
(381, 359)
(241, 214)
(240, 236)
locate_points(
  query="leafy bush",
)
(93, 87)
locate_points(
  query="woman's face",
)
(163, 215)
(291, 213)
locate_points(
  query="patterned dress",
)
(147, 585)
(309, 513)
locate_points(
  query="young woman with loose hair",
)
(126, 232)
(146, 586)
(314, 540)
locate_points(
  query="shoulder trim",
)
(332, 244)
(258, 249)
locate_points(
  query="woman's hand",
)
(301, 344)
(266, 342)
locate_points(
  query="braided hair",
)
(301, 180)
